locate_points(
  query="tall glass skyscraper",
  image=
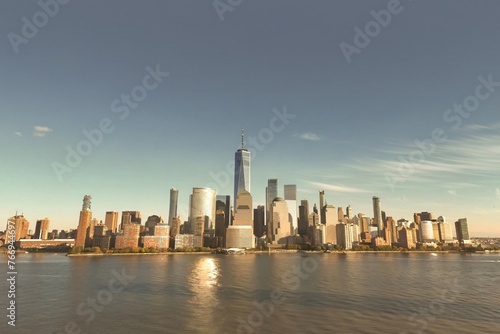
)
(291, 202)
(271, 194)
(241, 170)
(202, 206)
(172, 213)
(377, 216)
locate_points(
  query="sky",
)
(357, 98)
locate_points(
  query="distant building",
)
(241, 170)
(271, 194)
(84, 223)
(349, 212)
(303, 217)
(160, 238)
(240, 234)
(377, 216)
(175, 227)
(280, 225)
(202, 204)
(259, 227)
(331, 220)
(21, 225)
(184, 241)
(172, 212)
(240, 237)
(151, 224)
(198, 230)
(363, 222)
(129, 237)
(347, 235)
(462, 231)
(391, 225)
(42, 229)
(291, 202)
(40, 243)
(405, 238)
(130, 217)
(322, 206)
(340, 214)
(111, 221)
(426, 231)
(445, 234)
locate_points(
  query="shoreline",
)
(286, 252)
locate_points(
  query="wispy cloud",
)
(19, 134)
(41, 131)
(309, 136)
(475, 153)
(497, 192)
(452, 192)
(343, 189)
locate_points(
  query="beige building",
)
(21, 225)
(280, 224)
(240, 233)
(111, 221)
(331, 218)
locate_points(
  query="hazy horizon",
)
(384, 121)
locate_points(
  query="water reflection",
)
(203, 283)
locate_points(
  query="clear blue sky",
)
(354, 121)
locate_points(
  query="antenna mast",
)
(242, 137)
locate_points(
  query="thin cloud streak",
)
(326, 186)
(41, 131)
(309, 136)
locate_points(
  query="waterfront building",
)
(240, 233)
(21, 225)
(184, 241)
(84, 223)
(462, 231)
(42, 229)
(129, 237)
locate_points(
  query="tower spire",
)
(242, 137)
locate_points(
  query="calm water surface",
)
(277, 293)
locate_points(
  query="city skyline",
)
(399, 121)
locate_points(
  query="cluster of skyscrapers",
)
(216, 221)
